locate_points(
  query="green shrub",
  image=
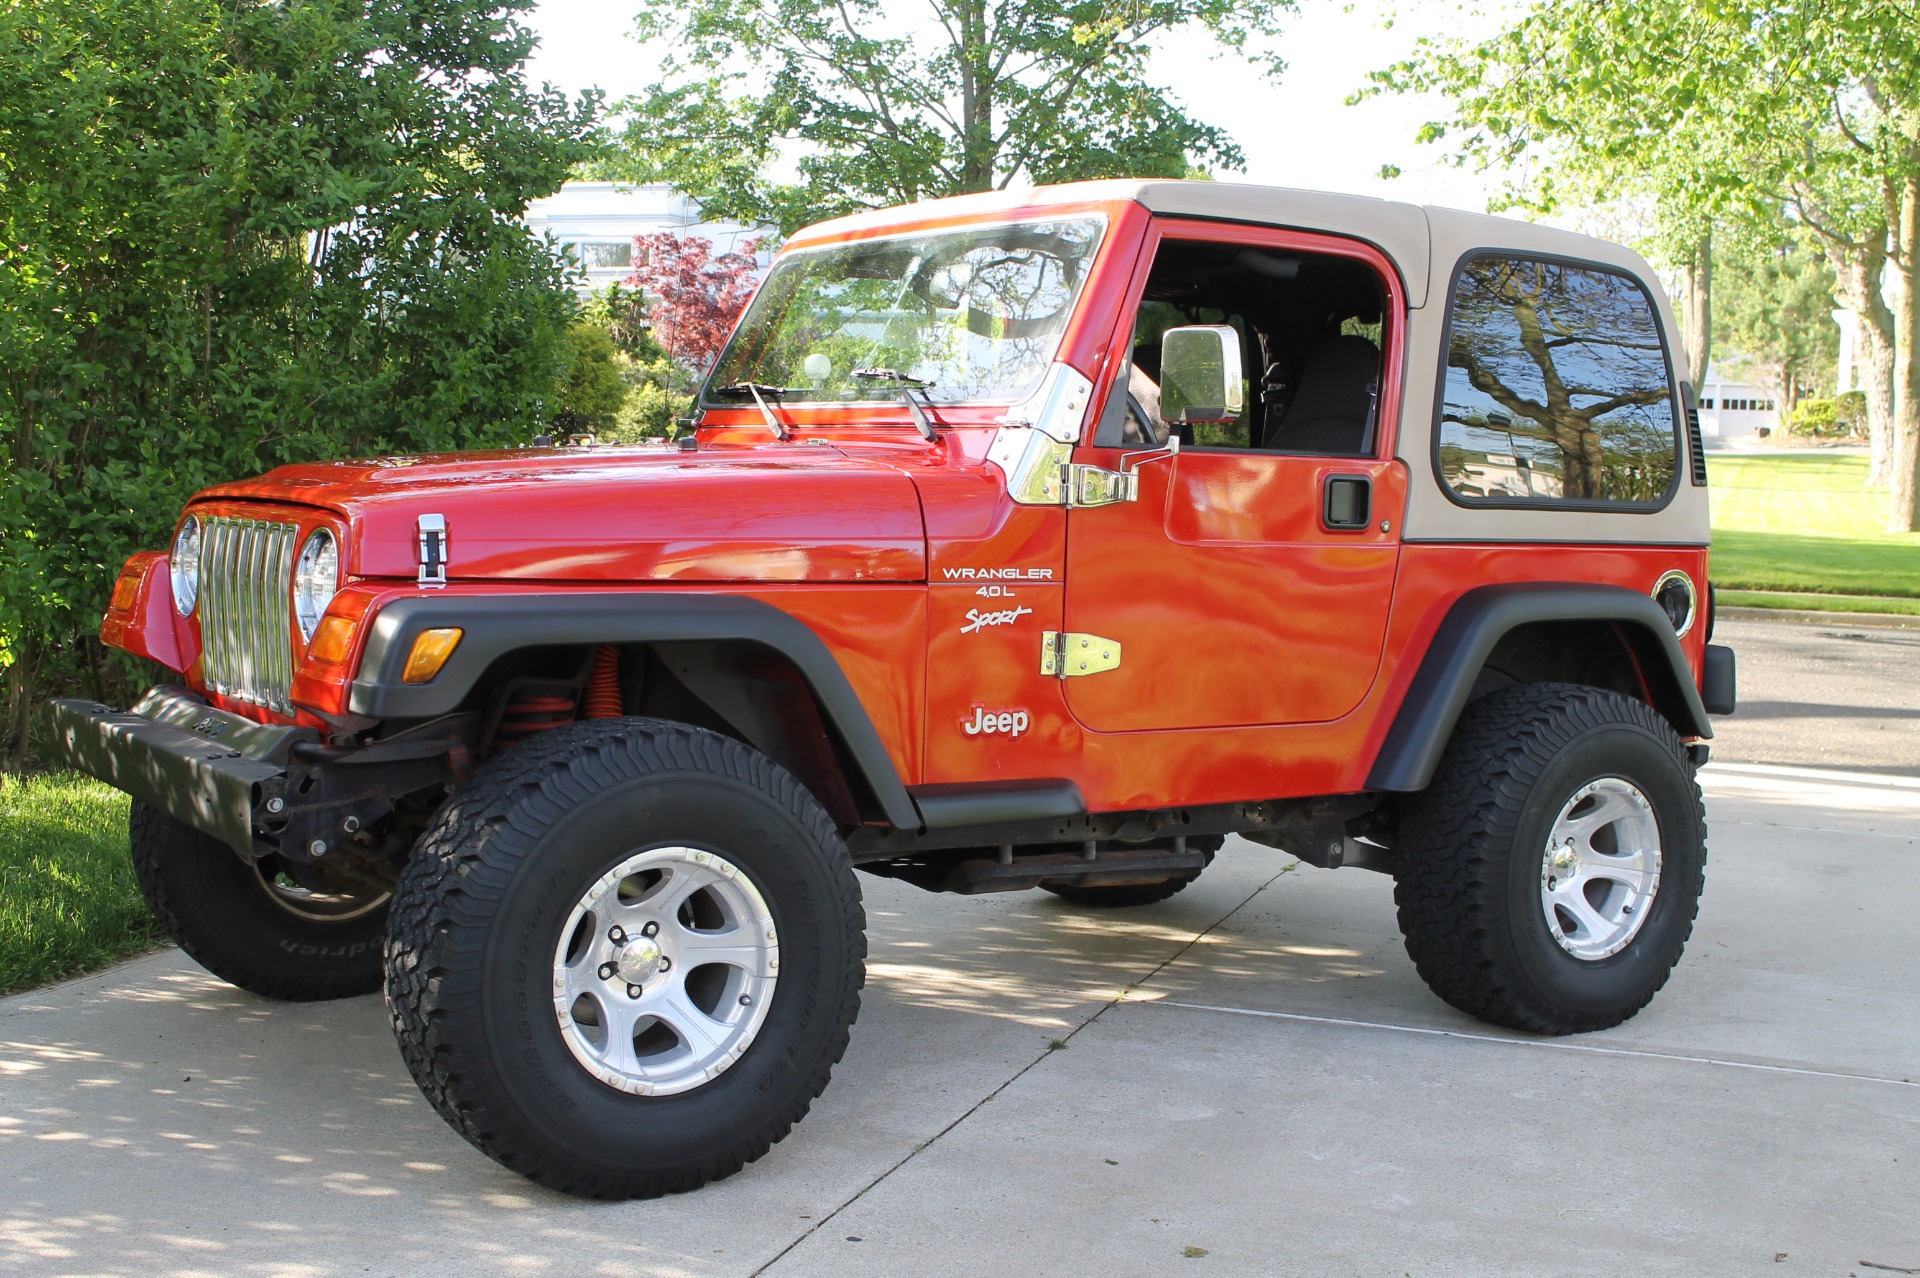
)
(236, 234)
(1837, 418)
(594, 390)
(1814, 418)
(659, 388)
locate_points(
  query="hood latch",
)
(432, 532)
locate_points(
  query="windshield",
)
(971, 314)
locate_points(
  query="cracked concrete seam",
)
(1022, 1072)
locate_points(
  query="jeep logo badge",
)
(986, 723)
(210, 726)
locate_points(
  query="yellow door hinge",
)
(1067, 655)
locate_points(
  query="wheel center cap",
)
(638, 959)
(1562, 862)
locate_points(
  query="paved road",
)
(1845, 696)
(1252, 1070)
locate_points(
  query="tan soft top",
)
(1413, 235)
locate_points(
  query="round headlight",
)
(315, 579)
(186, 566)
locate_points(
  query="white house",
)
(597, 221)
(1734, 410)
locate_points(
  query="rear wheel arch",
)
(1498, 636)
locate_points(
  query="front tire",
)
(626, 957)
(1549, 876)
(249, 922)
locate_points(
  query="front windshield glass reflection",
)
(972, 314)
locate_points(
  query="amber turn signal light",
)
(333, 641)
(430, 652)
(125, 591)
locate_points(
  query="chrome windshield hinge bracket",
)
(1066, 655)
(1034, 441)
(431, 531)
(1097, 486)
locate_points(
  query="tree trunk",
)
(1857, 272)
(20, 699)
(1696, 309)
(976, 98)
(1906, 370)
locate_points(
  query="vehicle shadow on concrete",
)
(157, 1120)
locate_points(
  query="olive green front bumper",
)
(197, 763)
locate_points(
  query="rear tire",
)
(247, 923)
(545, 960)
(1548, 878)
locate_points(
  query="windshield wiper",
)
(742, 390)
(922, 418)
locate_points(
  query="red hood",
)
(785, 513)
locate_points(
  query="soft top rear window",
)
(1557, 389)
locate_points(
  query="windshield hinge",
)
(1067, 655)
(432, 533)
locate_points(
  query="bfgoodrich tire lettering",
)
(235, 920)
(1473, 852)
(481, 909)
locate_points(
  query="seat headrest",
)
(1338, 381)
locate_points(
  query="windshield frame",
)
(885, 394)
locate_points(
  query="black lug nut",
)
(651, 929)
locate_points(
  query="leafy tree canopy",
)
(1718, 110)
(235, 234)
(878, 112)
(1772, 315)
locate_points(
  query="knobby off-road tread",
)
(462, 865)
(1450, 887)
(207, 900)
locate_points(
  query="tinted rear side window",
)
(1557, 388)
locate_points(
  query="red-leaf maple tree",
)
(693, 295)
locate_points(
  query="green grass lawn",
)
(68, 901)
(1806, 523)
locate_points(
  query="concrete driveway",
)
(1254, 1081)
(1826, 694)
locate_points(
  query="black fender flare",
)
(1475, 625)
(495, 625)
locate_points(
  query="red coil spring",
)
(603, 687)
(527, 714)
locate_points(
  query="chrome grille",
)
(246, 609)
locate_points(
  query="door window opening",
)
(1312, 328)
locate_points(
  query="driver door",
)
(1247, 584)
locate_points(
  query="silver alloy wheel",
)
(665, 971)
(316, 906)
(1601, 869)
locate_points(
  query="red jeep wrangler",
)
(1025, 540)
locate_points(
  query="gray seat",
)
(1332, 412)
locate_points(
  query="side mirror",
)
(1200, 374)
